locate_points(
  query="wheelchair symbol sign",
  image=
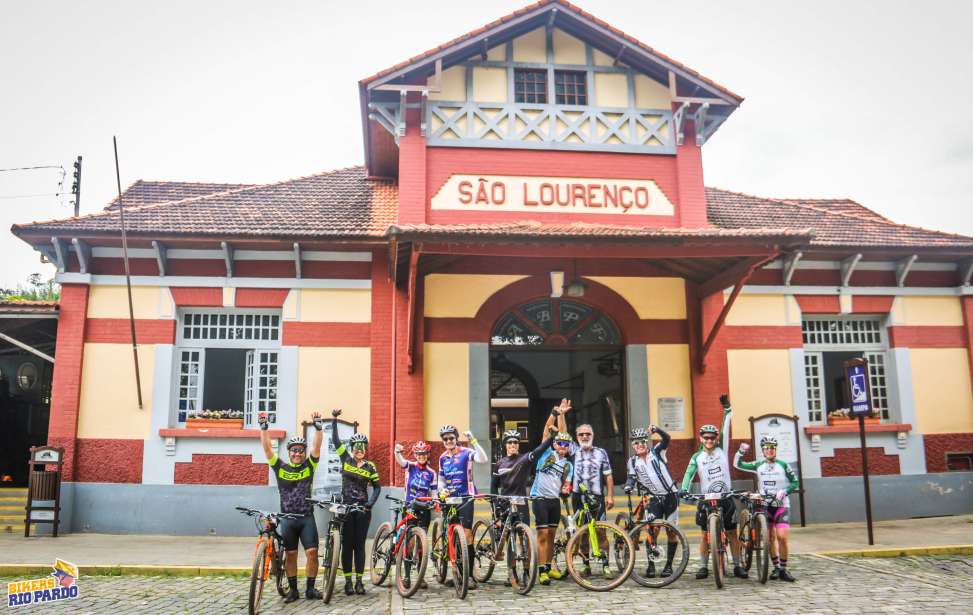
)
(857, 374)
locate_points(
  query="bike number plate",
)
(454, 501)
(338, 509)
(518, 501)
(713, 496)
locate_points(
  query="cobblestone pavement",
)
(928, 585)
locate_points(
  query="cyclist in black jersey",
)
(512, 475)
(294, 478)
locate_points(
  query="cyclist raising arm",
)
(294, 478)
(775, 479)
(649, 469)
(456, 477)
(357, 474)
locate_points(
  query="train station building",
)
(530, 223)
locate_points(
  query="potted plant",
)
(215, 419)
(842, 416)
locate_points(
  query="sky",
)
(860, 99)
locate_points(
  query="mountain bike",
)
(447, 543)
(581, 539)
(754, 534)
(651, 537)
(332, 542)
(719, 542)
(506, 533)
(405, 543)
(269, 555)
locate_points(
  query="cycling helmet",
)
(445, 429)
(768, 441)
(296, 441)
(708, 429)
(358, 438)
(639, 433)
(511, 435)
(421, 447)
(563, 436)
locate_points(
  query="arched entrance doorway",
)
(551, 348)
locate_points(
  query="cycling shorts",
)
(304, 528)
(523, 510)
(727, 505)
(423, 516)
(465, 514)
(596, 505)
(779, 517)
(547, 512)
(665, 507)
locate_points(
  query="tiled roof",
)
(145, 192)
(836, 223)
(28, 307)
(342, 203)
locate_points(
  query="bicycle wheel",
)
(332, 552)
(483, 546)
(558, 561)
(438, 551)
(411, 561)
(624, 521)
(280, 574)
(658, 545)
(715, 527)
(257, 577)
(522, 556)
(761, 539)
(382, 548)
(591, 568)
(460, 562)
(745, 537)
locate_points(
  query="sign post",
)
(782, 428)
(44, 487)
(860, 405)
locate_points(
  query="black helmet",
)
(511, 435)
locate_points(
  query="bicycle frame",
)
(408, 518)
(513, 517)
(584, 518)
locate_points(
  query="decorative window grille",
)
(190, 381)
(833, 332)
(570, 87)
(812, 378)
(235, 326)
(261, 381)
(530, 86)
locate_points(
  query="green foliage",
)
(36, 289)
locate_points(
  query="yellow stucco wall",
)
(489, 84)
(670, 375)
(446, 386)
(461, 295)
(650, 297)
(497, 53)
(760, 383)
(650, 94)
(336, 305)
(453, 85)
(567, 49)
(941, 389)
(109, 405)
(763, 310)
(112, 301)
(944, 311)
(531, 47)
(334, 378)
(611, 90)
(601, 58)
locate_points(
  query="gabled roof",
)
(144, 192)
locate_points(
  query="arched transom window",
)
(555, 322)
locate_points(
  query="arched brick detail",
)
(848, 462)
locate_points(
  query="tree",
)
(36, 289)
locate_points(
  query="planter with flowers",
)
(215, 419)
(842, 416)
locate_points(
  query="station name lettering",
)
(566, 195)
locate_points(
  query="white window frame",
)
(185, 342)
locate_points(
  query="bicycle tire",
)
(558, 559)
(483, 549)
(460, 565)
(438, 551)
(612, 534)
(745, 537)
(415, 540)
(762, 538)
(257, 577)
(280, 573)
(332, 552)
(382, 548)
(523, 544)
(624, 521)
(715, 528)
(679, 567)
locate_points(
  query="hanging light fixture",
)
(574, 288)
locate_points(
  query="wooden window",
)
(570, 87)
(530, 86)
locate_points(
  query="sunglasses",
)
(422, 454)
(562, 442)
(359, 446)
(296, 451)
(709, 437)
(639, 442)
(585, 435)
(449, 439)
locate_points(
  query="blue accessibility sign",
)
(856, 371)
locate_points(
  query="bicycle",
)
(754, 534)
(659, 533)
(505, 533)
(447, 549)
(406, 543)
(268, 557)
(332, 544)
(580, 547)
(719, 542)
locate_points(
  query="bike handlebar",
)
(251, 512)
(699, 497)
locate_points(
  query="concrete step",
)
(6, 509)
(11, 528)
(12, 518)
(13, 491)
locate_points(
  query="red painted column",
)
(66, 386)
(382, 349)
(412, 171)
(709, 385)
(689, 178)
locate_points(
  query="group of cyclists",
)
(558, 469)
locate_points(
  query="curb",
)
(902, 551)
(19, 570)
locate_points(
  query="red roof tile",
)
(144, 192)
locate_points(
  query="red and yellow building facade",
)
(533, 186)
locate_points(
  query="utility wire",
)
(28, 196)
(45, 166)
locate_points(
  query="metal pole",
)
(868, 496)
(128, 276)
(77, 189)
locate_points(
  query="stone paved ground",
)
(928, 585)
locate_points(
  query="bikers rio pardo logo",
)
(62, 584)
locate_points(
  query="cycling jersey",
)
(420, 481)
(772, 476)
(294, 484)
(355, 478)
(713, 468)
(456, 471)
(591, 466)
(652, 471)
(513, 471)
(552, 471)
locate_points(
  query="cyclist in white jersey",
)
(775, 479)
(648, 468)
(713, 466)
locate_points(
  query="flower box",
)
(194, 423)
(846, 420)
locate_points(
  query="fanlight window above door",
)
(555, 322)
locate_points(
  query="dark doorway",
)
(225, 379)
